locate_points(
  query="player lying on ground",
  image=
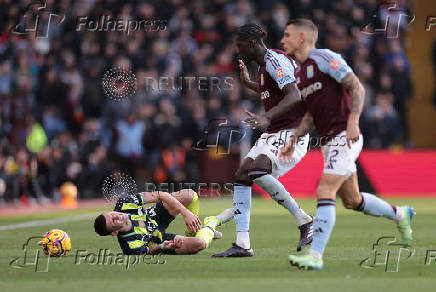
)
(142, 231)
(326, 83)
(278, 91)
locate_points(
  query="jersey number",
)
(332, 159)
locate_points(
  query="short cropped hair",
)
(250, 31)
(305, 23)
(100, 225)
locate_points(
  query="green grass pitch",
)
(273, 235)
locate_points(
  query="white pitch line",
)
(36, 223)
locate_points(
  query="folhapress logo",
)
(37, 19)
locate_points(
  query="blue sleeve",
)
(280, 69)
(331, 64)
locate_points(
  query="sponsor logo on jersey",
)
(311, 89)
(280, 73)
(264, 94)
(334, 64)
(310, 71)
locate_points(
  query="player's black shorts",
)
(163, 219)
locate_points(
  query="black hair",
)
(100, 225)
(251, 31)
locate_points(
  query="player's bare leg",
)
(375, 206)
(191, 245)
(181, 245)
(323, 224)
(260, 173)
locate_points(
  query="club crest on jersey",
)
(280, 73)
(334, 64)
(310, 71)
(262, 82)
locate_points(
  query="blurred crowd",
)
(56, 124)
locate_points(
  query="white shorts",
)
(338, 158)
(270, 144)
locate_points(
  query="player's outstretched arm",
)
(357, 92)
(245, 77)
(292, 97)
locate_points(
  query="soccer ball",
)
(56, 243)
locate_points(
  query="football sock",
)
(206, 233)
(372, 205)
(225, 216)
(194, 207)
(279, 194)
(241, 207)
(323, 225)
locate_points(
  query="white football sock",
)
(243, 239)
(278, 192)
(226, 215)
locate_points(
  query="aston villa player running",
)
(334, 98)
(278, 91)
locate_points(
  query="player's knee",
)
(261, 166)
(324, 191)
(241, 177)
(188, 195)
(255, 173)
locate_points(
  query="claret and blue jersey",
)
(277, 71)
(319, 80)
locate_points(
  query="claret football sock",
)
(279, 194)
